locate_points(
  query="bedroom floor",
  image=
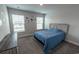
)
(29, 45)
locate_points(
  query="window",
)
(39, 21)
(18, 23)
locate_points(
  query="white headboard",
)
(63, 27)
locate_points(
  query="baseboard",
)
(22, 36)
(73, 42)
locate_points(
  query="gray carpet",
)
(29, 45)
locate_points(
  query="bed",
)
(50, 37)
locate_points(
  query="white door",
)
(30, 24)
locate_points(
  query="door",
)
(30, 24)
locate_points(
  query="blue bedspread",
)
(50, 38)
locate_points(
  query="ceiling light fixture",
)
(41, 4)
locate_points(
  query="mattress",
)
(50, 38)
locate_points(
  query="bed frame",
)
(63, 27)
(53, 41)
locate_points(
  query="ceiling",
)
(42, 9)
(49, 9)
(29, 7)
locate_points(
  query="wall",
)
(29, 27)
(68, 14)
(4, 28)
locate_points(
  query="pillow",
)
(55, 29)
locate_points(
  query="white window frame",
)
(38, 22)
(18, 21)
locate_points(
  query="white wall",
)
(68, 14)
(4, 28)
